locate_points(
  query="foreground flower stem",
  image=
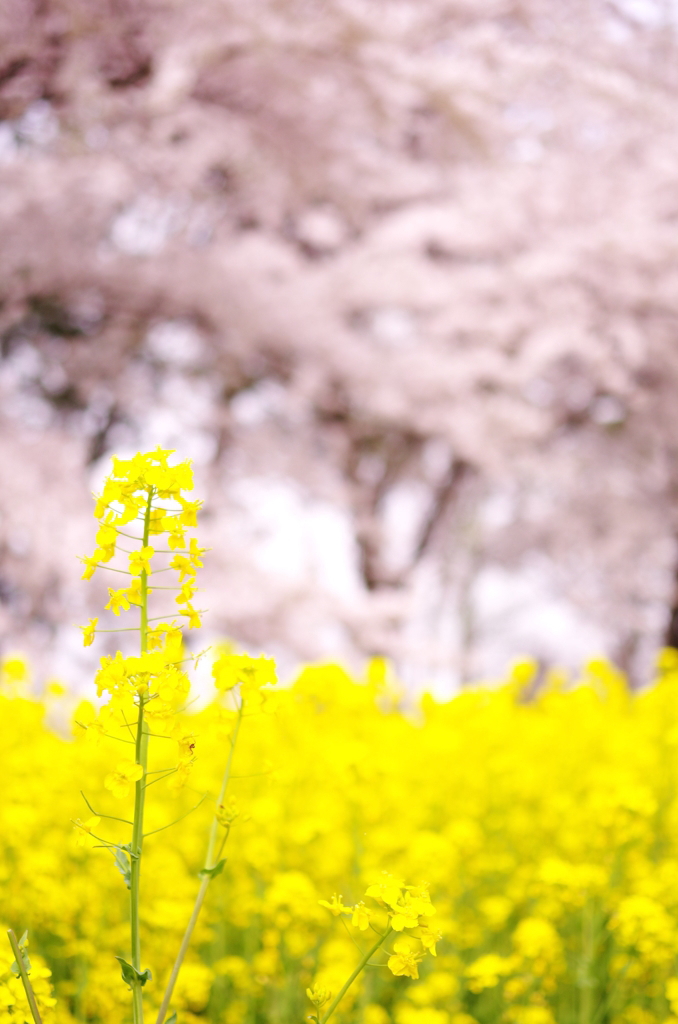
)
(342, 992)
(141, 757)
(211, 861)
(28, 988)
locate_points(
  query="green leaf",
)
(24, 956)
(172, 1019)
(212, 872)
(123, 865)
(131, 975)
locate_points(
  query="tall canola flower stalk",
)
(143, 512)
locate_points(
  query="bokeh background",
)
(401, 276)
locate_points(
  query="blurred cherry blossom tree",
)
(399, 275)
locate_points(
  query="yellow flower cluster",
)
(145, 494)
(547, 828)
(249, 674)
(144, 498)
(403, 907)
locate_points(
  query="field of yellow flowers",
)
(514, 850)
(547, 828)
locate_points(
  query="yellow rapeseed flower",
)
(117, 599)
(140, 561)
(405, 964)
(388, 889)
(361, 916)
(88, 632)
(318, 996)
(120, 781)
(192, 615)
(84, 831)
(335, 905)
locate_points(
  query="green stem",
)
(28, 988)
(141, 757)
(210, 861)
(342, 992)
